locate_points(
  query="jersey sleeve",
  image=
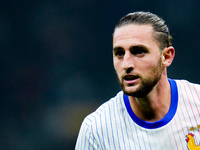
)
(86, 140)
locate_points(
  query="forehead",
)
(140, 34)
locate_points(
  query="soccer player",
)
(152, 112)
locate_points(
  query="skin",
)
(141, 69)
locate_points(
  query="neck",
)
(155, 105)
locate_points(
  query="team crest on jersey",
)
(190, 138)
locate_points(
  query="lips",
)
(130, 79)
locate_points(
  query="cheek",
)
(118, 69)
(148, 68)
(155, 67)
(116, 65)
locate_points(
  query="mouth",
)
(130, 79)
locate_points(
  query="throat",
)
(149, 115)
(154, 106)
(148, 111)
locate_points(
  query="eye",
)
(138, 51)
(119, 52)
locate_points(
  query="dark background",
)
(56, 63)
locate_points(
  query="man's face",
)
(137, 59)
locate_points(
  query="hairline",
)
(154, 32)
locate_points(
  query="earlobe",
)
(168, 56)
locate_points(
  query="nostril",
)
(129, 70)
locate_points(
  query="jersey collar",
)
(166, 119)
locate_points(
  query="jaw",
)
(141, 88)
(129, 86)
(136, 90)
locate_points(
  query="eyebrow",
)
(130, 48)
(138, 47)
(117, 48)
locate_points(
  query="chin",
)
(139, 92)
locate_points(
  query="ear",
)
(168, 56)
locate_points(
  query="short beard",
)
(147, 84)
(143, 90)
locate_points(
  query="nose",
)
(128, 62)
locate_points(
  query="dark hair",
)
(144, 18)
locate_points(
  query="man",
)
(152, 111)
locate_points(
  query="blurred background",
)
(56, 63)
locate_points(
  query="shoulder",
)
(188, 90)
(102, 113)
(95, 125)
(183, 84)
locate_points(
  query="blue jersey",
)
(114, 126)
